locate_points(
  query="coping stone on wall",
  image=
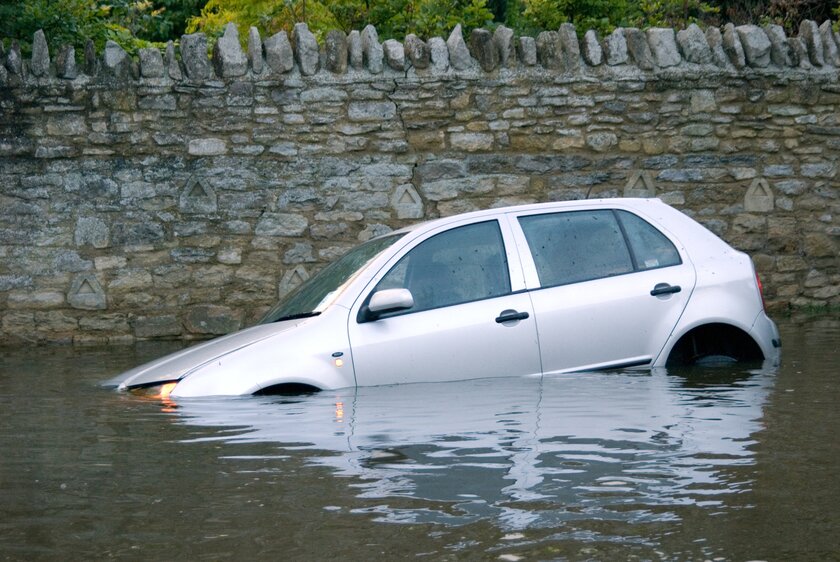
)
(278, 53)
(503, 39)
(39, 65)
(372, 50)
(459, 55)
(194, 56)
(255, 50)
(694, 46)
(417, 51)
(810, 35)
(438, 54)
(307, 53)
(592, 52)
(756, 45)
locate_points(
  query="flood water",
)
(724, 463)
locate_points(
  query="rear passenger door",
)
(607, 287)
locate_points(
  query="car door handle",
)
(665, 289)
(510, 316)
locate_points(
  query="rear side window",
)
(576, 246)
(461, 265)
(580, 246)
(650, 247)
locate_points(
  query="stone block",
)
(371, 110)
(638, 48)
(92, 231)
(549, 50)
(207, 147)
(156, 326)
(281, 224)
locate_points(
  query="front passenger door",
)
(465, 322)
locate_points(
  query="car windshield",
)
(313, 296)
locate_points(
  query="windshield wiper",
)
(297, 316)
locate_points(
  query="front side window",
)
(461, 265)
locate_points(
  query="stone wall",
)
(176, 194)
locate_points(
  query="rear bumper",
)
(765, 332)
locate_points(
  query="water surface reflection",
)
(523, 452)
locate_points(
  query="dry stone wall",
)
(177, 194)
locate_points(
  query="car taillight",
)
(760, 290)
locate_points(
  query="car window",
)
(650, 247)
(576, 246)
(461, 265)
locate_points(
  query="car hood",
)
(177, 365)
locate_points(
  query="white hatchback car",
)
(529, 290)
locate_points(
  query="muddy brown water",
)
(725, 463)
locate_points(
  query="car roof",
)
(639, 204)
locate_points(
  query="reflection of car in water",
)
(538, 289)
(528, 451)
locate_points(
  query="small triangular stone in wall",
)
(407, 202)
(759, 197)
(291, 279)
(198, 197)
(640, 184)
(86, 293)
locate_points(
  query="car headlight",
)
(158, 391)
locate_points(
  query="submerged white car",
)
(530, 290)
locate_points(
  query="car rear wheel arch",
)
(718, 342)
